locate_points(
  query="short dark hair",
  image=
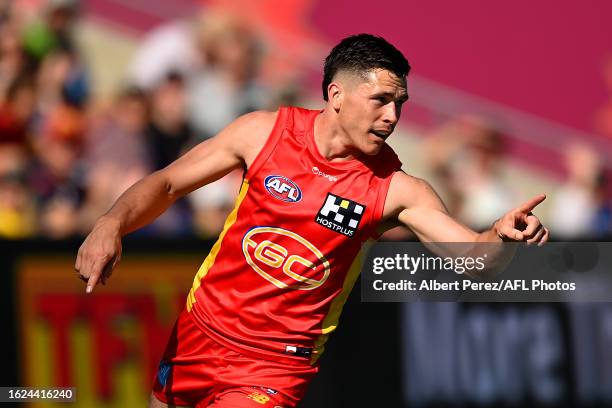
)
(360, 54)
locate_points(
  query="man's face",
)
(369, 109)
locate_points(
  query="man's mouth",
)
(381, 133)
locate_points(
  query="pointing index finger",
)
(91, 283)
(531, 204)
(94, 277)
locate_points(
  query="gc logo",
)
(284, 258)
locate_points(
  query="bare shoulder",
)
(406, 191)
(257, 120)
(250, 132)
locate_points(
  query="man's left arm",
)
(413, 203)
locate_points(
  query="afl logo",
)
(283, 188)
(284, 258)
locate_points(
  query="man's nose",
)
(391, 114)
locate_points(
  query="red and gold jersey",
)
(275, 282)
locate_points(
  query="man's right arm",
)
(234, 147)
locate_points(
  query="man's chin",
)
(373, 148)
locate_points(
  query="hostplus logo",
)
(340, 215)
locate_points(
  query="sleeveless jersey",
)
(275, 282)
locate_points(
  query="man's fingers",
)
(531, 204)
(91, 283)
(115, 261)
(510, 232)
(544, 237)
(107, 271)
(96, 271)
(77, 264)
(536, 237)
(533, 225)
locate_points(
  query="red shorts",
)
(197, 371)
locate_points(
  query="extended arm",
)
(413, 203)
(236, 146)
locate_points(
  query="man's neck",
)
(330, 139)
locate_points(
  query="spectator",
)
(116, 153)
(13, 61)
(61, 79)
(17, 204)
(54, 31)
(58, 175)
(170, 48)
(168, 132)
(16, 112)
(602, 226)
(15, 115)
(227, 87)
(465, 155)
(577, 203)
(17, 209)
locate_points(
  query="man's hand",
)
(99, 253)
(520, 224)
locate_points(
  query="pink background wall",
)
(544, 57)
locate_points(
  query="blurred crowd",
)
(466, 157)
(66, 155)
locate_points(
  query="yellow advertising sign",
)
(106, 344)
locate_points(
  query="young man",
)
(316, 186)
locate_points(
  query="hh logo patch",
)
(340, 215)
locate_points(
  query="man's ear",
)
(335, 95)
